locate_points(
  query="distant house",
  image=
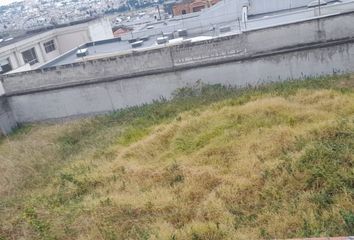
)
(120, 31)
(190, 6)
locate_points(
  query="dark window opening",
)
(198, 9)
(30, 56)
(49, 46)
(184, 12)
(5, 66)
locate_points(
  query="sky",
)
(5, 2)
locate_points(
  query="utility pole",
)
(158, 9)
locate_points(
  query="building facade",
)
(190, 6)
(35, 49)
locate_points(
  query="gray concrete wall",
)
(227, 48)
(109, 96)
(7, 121)
(311, 48)
(267, 6)
(120, 66)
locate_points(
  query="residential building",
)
(35, 48)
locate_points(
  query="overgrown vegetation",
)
(275, 161)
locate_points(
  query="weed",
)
(174, 174)
(30, 215)
(348, 217)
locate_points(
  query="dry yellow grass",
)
(278, 164)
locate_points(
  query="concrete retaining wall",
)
(109, 96)
(7, 121)
(310, 48)
(186, 55)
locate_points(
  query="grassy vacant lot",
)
(213, 163)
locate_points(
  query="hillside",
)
(212, 163)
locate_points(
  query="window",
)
(49, 46)
(30, 56)
(5, 65)
(198, 8)
(184, 12)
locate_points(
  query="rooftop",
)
(17, 38)
(150, 35)
(97, 48)
(11, 40)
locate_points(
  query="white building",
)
(35, 49)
